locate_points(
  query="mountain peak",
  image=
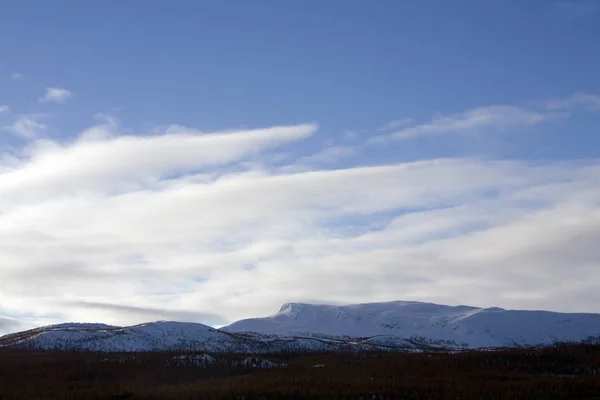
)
(472, 326)
(293, 309)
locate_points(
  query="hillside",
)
(305, 327)
(460, 325)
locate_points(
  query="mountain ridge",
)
(475, 326)
(407, 325)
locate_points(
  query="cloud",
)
(330, 155)
(56, 95)
(496, 118)
(8, 325)
(145, 314)
(16, 76)
(93, 164)
(477, 120)
(397, 124)
(178, 224)
(106, 129)
(350, 135)
(4, 109)
(584, 101)
(27, 127)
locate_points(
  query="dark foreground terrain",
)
(561, 372)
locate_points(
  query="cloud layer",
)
(183, 224)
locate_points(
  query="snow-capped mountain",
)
(306, 327)
(164, 336)
(462, 326)
(144, 337)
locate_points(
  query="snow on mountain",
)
(426, 323)
(307, 327)
(144, 337)
(159, 336)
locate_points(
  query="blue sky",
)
(349, 65)
(504, 93)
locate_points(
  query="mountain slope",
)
(463, 326)
(167, 336)
(144, 337)
(306, 327)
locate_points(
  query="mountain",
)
(165, 336)
(308, 327)
(101, 337)
(462, 326)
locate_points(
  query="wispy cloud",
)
(147, 313)
(27, 127)
(16, 76)
(477, 120)
(350, 135)
(4, 109)
(397, 124)
(497, 118)
(56, 95)
(579, 100)
(8, 325)
(329, 155)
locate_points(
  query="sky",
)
(210, 160)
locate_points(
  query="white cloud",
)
(27, 127)
(16, 76)
(56, 95)
(126, 162)
(498, 118)
(397, 124)
(8, 324)
(177, 224)
(328, 156)
(477, 120)
(4, 109)
(579, 100)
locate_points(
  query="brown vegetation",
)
(561, 372)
